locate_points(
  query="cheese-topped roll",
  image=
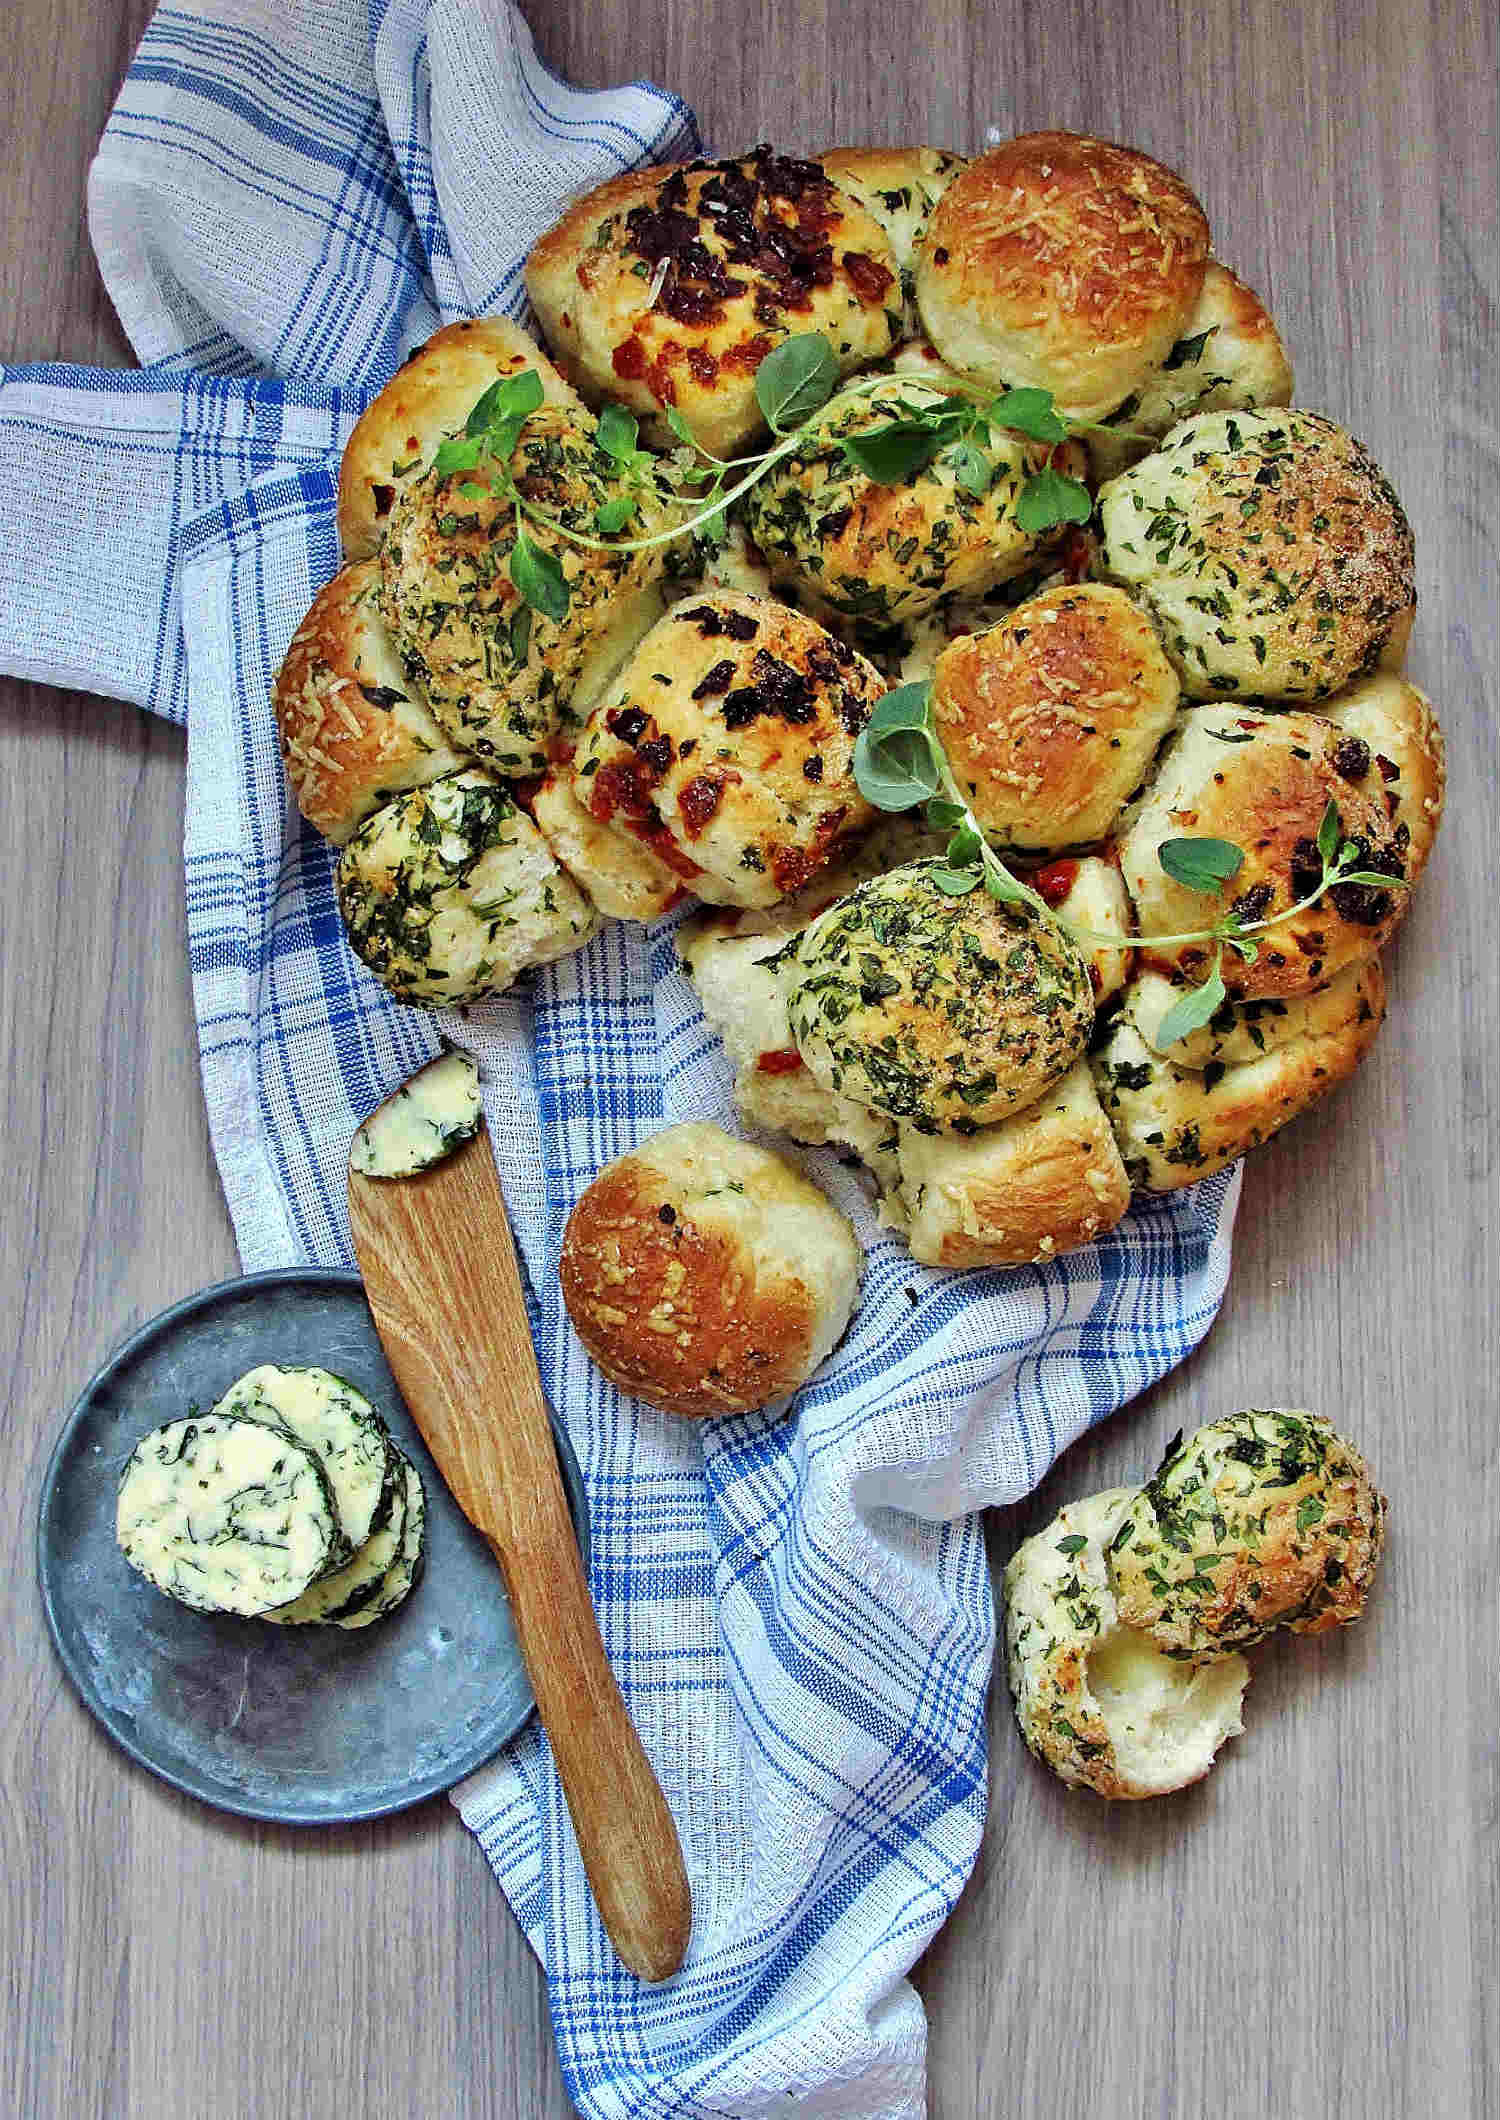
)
(1052, 717)
(887, 553)
(1230, 354)
(1062, 263)
(727, 746)
(1271, 549)
(429, 396)
(501, 675)
(450, 893)
(949, 1012)
(1265, 1519)
(1393, 744)
(355, 727)
(1098, 1701)
(706, 1275)
(1176, 1124)
(898, 187)
(1263, 782)
(668, 287)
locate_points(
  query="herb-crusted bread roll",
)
(668, 287)
(1241, 1032)
(726, 745)
(429, 397)
(1063, 263)
(1230, 355)
(1262, 782)
(944, 1011)
(450, 893)
(1096, 1700)
(888, 553)
(501, 675)
(1390, 721)
(355, 728)
(1265, 1519)
(1051, 718)
(1272, 551)
(706, 1275)
(1176, 1124)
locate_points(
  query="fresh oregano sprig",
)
(900, 764)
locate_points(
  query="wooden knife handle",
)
(436, 1255)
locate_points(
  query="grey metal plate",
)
(307, 1725)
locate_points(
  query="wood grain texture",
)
(1313, 1930)
(437, 1257)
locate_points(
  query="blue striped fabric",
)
(798, 1608)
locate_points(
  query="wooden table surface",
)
(1312, 1931)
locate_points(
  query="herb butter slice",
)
(402, 1575)
(339, 1425)
(425, 1120)
(225, 1514)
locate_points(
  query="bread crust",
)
(705, 1275)
(620, 876)
(1052, 717)
(1064, 263)
(1272, 550)
(668, 287)
(898, 187)
(355, 729)
(429, 396)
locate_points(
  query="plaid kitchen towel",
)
(286, 198)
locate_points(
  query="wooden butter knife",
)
(444, 1288)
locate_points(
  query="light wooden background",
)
(1312, 1932)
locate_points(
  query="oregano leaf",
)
(1204, 865)
(894, 453)
(1199, 1005)
(796, 378)
(894, 768)
(539, 579)
(955, 882)
(971, 469)
(457, 453)
(1050, 497)
(619, 432)
(1029, 412)
(611, 516)
(1330, 831)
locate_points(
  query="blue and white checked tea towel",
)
(286, 198)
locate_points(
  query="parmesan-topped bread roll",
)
(1063, 263)
(948, 1012)
(355, 727)
(1230, 354)
(450, 893)
(501, 675)
(886, 553)
(1263, 782)
(1271, 549)
(430, 396)
(727, 746)
(668, 287)
(1051, 718)
(707, 1276)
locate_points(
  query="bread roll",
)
(705, 1275)
(616, 872)
(1394, 723)
(1262, 1520)
(1097, 1701)
(1041, 1182)
(1230, 354)
(1089, 891)
(1052, 717)
(898, 187)
(430, 396)
(1272, 551)
(1062, 263)
(668, 287)
(1175, 1124)
(1263, 782)
(355, 728)
(727, 745)
(886, 554)
(449, 893)
(1242, 1031)
(947, 1012)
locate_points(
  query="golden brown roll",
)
(430, 396)
(707, 1276)
(1041, 1182)
(501, 677)
(945, 1011)
(1062, 263)
(1272, 551)
(1230, 354)
(1052, 717)
(887, 554)
(1262, 782)
(668, 287)
(1394, 724)
(1176, 1125)
(727, 745)
(355, 729)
